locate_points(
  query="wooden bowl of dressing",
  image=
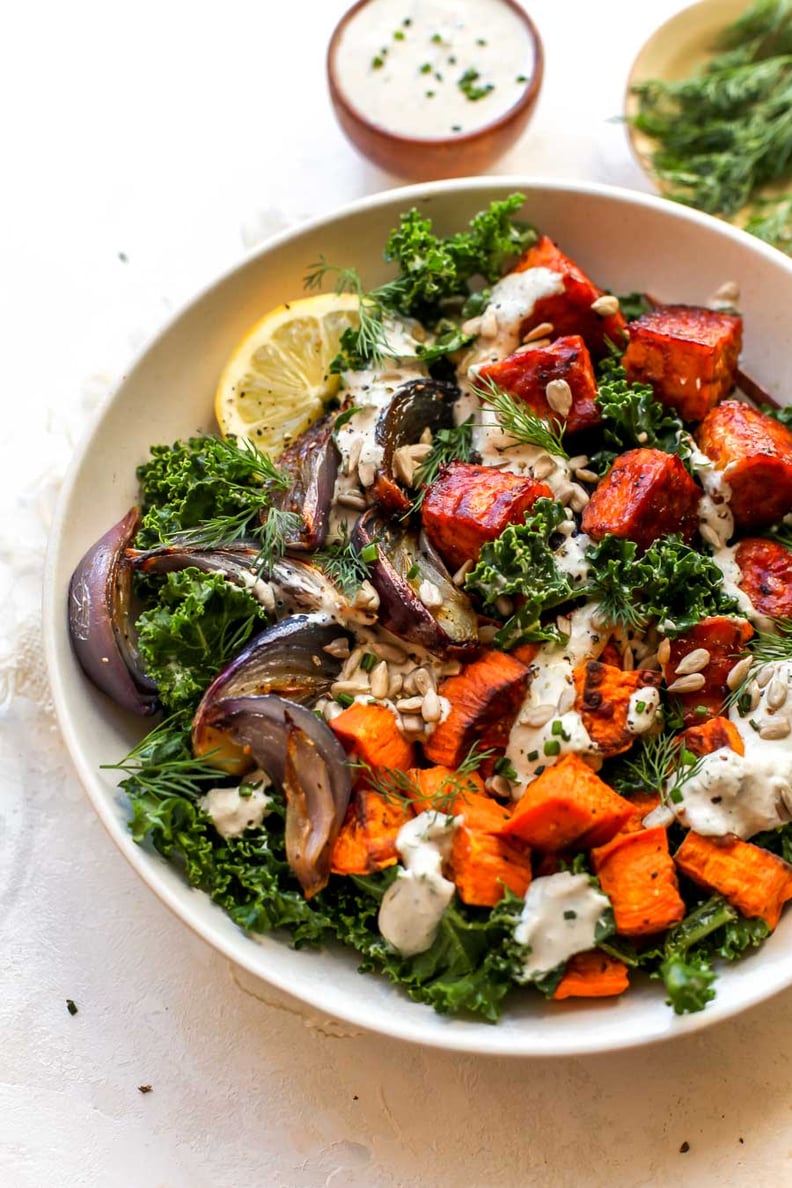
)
(434, 88)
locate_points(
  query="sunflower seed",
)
(693, 662)
(366, 597)
(578, 461)
(389, 652)
(664, 651)
(537, 715)
(352, 687)
(778, 729)
(543, 466)
(764, 676)
(424, 680)
(395, 686)
(498, 785)
(353, 457)
(776, 693)
(429, 594)
(586, 476)
(431, 709)
(409, 705)
(578, 498)
(380, 680)
(352, 499)
(540, 331)
(338, 648)
(487, 633)
(504, 605)
(567, 700)
(460, 575)
(709, 535)
(627, 660)
(411, 724)
(687, 684)
(606, 306)
(559, 396)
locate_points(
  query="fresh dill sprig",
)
(260, 465)
(662, 765)
(275, 534)
(771, 221)
(399, 788)
(726, 132)
(343, 564)
(765, 647)
(367, 344)
(519, 420)
(163, 764)
(216, 531)
(454, 444)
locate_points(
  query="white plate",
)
(625, 242)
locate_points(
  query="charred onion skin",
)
(287, 659)
(312, 464)
(100, 620)
(417, 405)
(449, 629)
(299, 752)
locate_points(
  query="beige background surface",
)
(146, 149)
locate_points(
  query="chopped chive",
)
(426, 68)
(570, 915)
(676, 795)
(368, 662)
(344, 699)
(369, 553)
(640, 707)
(557, 727)
(552, 747)
(533, 755)
(413, 572)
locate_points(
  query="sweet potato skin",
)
(687, 354)
(753, 880)
(766, 575)
(636, 872)
(369, 734)
(646, 493)
(468, 505)
(367, 839)
(603, 700)
(568, 805)
(592, 975)
(755, 452)
(725, 640)
(485, 698)
(526, 375)
(711, 736)
(570, 312)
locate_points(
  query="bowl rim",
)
(522, 104)
(238, 947)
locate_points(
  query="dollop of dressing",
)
(233, 810)
(413, 905)
(643, 710)
(744, 794)
(559, 918)
(433, 69)
(534, 745)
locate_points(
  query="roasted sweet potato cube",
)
(527, 374)
(482, 866)
(484, 699)
(766, 575)
(723, 639)
(602, 699)
(712, 736)
(570, 312)
(637, 874)
(367, 839)
(369, 734)
(592, 974)
(753, 880)
(445, 789)
(755, 453)
(645, 494)
(468, 505)
(568, 805)
(687, 354)
(643, 803)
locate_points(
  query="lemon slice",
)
(277, 381)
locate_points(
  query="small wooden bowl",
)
(427, 158)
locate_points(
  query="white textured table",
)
(145, 149)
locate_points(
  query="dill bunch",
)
(725, 133)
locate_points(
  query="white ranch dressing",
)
(413, 905)
(400, 63)
(744, 794)
(231, 812)
(643, 710)
(553, 680)
(559, 918)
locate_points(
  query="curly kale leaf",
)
(198, 623)
(520, 562)
(670, 581)
(633, 418)
(432, 270)
(205, 481)
(688, 982)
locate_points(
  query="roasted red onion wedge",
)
(312, 464)
(417, 405)
(287, 659)
(299, 752)
(100, 620)
(418, 600)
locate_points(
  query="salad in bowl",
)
(467, 637)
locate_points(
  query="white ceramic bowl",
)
(625, 241)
